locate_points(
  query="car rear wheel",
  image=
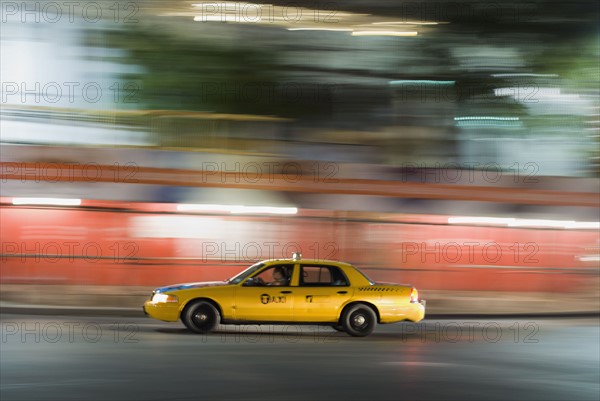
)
(201, 317)
(359, 320)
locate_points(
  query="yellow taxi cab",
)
(296, 290)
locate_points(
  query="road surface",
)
(75, 358)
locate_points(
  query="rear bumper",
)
(413, 312)
(418, 312)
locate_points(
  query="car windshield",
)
(242, 276)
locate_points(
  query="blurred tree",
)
(214, 76)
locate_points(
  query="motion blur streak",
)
(453, 146)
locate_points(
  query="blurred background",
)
(454, 146)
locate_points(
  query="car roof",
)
(306, 261)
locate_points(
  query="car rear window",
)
(322, 275)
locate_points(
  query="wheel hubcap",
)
(201, 317)
(359, 320)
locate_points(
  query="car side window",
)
(276, 275)
(322, 276)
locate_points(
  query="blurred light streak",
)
(405, 23)
(46, 201)
(515, 90)
(237, 209)
(225, 18)
(421, 82)
(321, 29)
(514, 222)
(524, 74)
(480, 118)
(585, 225)
(243, 12)
(384, 33)
(487, 122)
(540, 93)
(480, 220)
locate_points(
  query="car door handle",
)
(342, 292)
(286, 292)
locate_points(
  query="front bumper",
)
(167, 312)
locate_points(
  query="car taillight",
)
(414, 295)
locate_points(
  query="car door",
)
(257, 300)
(321, 292)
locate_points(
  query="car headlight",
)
(160, 298)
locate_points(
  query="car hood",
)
(188, 286)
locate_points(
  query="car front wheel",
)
(359, 320)
(201, 317)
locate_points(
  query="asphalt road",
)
(74, 358)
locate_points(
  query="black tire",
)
(338, 327)
(359, 320)
(201, 317)
(185, 323)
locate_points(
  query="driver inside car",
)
(279, 277)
